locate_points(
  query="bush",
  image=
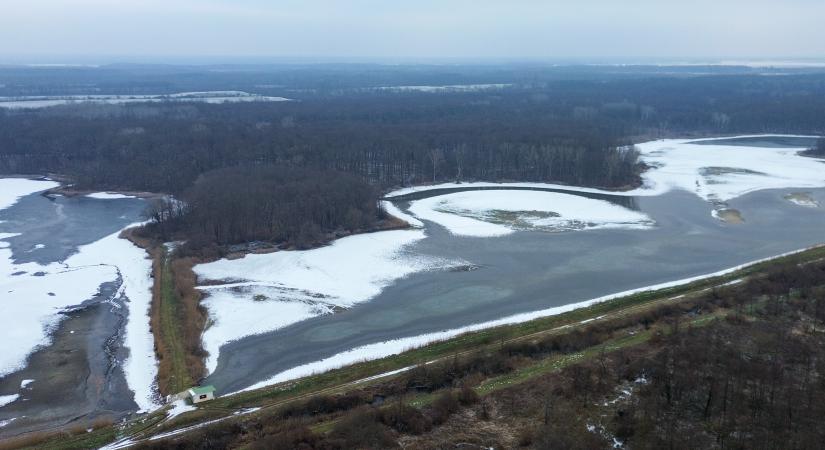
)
(298, 439)
(362, 430)
(405, 419)
(443, 407)
(467, 396)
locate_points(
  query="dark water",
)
(62, 224)
(528, 271)
(78, 375)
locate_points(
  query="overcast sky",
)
(414, 29)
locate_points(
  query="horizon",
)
(48, 31)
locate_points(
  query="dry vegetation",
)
(177, 319)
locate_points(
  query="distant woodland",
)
(570, 127)
(561, 131)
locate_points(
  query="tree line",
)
(298, 207)
(565, 131)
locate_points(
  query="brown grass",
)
(189, 318)
(39, 439)
(194, 314)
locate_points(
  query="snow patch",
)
(488, 213)
(212, 97)
(6, 422)
(6, 399)
(13, 189)
(394, 211)
(109, 196)
(25, 383)
(179, 407)
(446, 88)
(271, 291)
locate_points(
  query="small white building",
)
(201, 394)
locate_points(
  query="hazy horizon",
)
(591, 31)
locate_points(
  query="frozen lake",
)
(531, 270)
(73, 295)
(77, 295)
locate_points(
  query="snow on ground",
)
(395, 212)
(109, 196)
(179, 407)
(723, 172)
(25, 383)
(265, 292)
(236, 312)
(3, 423)
(12, 189)
(716, 173)
(33, 102)
(447, 88)
(395, 346)
(6, 399)
(494, 213)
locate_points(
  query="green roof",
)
(199, 390)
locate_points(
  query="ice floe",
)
(494, 213)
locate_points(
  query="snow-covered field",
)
(32, 102)
(264, 292)
(719, 173)
(446, 88)
(492, 213)
(32, 295)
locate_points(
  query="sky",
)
(57, 30)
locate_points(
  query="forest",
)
(561, 130)
(562, 126)
(297, 207)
